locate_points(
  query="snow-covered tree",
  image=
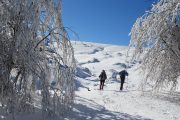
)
(32, 35)
(157, 34)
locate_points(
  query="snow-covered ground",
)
(111, 104)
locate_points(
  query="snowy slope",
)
(109, 104)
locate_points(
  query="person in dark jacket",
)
(123, 74)
(102, 78)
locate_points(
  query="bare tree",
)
(157, 34)
(32, 34)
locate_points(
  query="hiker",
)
(123, 74)
(102, 78)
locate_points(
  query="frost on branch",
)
(157, 34)
(35, 46)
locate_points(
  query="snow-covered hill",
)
(111, 104)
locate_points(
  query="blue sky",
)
(103, 21)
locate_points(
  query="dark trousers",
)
(122, 82)
(101, 84)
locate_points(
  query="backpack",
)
(103, 76)
(123, 73)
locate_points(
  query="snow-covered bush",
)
(157, 33)
(114, 75)
(83, 72)
(32, 33)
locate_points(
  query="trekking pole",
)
(127, 83)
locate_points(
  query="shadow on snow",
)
(86, 109)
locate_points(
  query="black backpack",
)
(123, 73)
(103, 76)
